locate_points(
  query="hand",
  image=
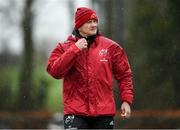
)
(125, 110)
(81, 43)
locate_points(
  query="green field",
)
(9, 85)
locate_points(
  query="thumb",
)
(123, 113)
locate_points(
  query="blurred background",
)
(149, 31)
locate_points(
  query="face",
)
(89, 28)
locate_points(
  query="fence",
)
(139, 119)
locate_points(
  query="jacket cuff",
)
(129, 100)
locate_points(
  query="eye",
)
(90, 21)
(94, 21)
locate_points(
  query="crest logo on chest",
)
(103, 54)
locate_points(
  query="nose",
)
(94, 23)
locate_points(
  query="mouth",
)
(93, 29)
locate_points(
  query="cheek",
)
(88, 28)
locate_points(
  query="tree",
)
(71, 8)
(26, 74)
(152, 37)
(174, 45)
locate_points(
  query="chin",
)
(93, 32)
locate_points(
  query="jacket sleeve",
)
(123, 74)
(61, 61)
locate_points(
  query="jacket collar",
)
(76, 36)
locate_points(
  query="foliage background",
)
(149, 31)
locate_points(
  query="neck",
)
(83, 34)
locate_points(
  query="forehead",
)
(91, 20)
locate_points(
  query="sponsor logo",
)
(111, 123)
(69, 120)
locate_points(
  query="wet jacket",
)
(88, 75)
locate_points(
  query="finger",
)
(85, 46)
(128, 114)
(122, 110)
(123, 114)
(85, 42)
(83, 39)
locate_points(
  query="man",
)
(87, 62)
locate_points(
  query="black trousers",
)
(86, 122)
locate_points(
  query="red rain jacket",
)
(88, 76)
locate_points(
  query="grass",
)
(54, 95)
(53, 102)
